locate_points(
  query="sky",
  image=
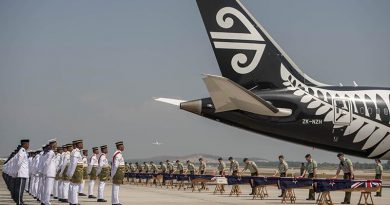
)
(90, 70)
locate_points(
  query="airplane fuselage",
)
(324, 117)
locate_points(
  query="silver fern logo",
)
(341, 108)
(239, 60)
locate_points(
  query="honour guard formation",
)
(58, 174)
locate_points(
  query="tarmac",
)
(136, 194)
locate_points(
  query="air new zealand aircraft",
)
(263, 91)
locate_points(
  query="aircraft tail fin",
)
(245, 52)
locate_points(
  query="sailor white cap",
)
(52, 140)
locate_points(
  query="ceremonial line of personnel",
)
(61, 172)
(310, 169)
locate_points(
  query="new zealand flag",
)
(169, 177)
(145, 176)
(260, 181)
(289, 183)
(207, 177)
(234, 180)
(343, 184)
(182, 177)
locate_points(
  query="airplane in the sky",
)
(263, 91)
(156, 142)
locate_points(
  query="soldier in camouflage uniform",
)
(221, 171)
(163, 168)
(282, 170)
(170, 167)
(347, 167)
(146, 167)
(202, 171)
(221, 167)
(190, 167)
(139, 167)
(127, 170)
(234, 167)
(154, 169)
(378, 174)
(146, 170)
(202, 166)
(179, 167)
(252, 167)
(311, 169)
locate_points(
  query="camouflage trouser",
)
(379, 176)
(251, 182)
(283, 175)
(347, 197)
(312, 194)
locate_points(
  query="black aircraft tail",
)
(245, 52)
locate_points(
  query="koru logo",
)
(239, 59)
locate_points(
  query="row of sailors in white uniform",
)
(45, 172)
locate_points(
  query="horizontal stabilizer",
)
(170, 101)
(228, 95)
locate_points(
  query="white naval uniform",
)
(56, 182)
(22, 169)
(85, 164)
(93, 162)
(50, 173)
(103, 162)
(60, 181)
(35, 174)
(41, 185)
(118, 160)
(75, 159)
(29, 180)
(27, 188)
(65, 188)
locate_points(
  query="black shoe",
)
(55, 197)
(345, 202)
(65, 200)
(101, 200)
(310, 199)
(280, 196)
(42, 204)
(92, 197)
(82, 194)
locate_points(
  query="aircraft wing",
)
(228, 95)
